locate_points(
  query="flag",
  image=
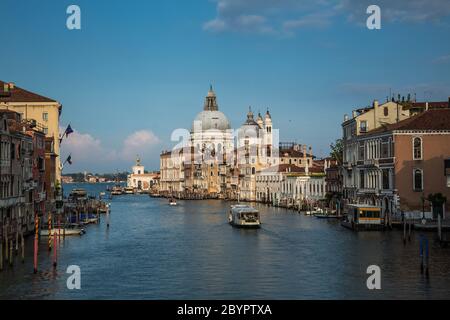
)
(66, 133)
(69, 159)
(68, 130)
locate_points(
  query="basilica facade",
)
(218, 161)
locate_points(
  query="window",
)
(417, 148)
(385, 179)
(418, 179)
(386, 111)
(45, 116)
(45, 131)
(361, 179)
(363, 126)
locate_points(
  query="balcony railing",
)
(9, 202)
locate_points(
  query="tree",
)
(337, 149)
(437, 200)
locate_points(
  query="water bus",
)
(363, 217)
(244, 216)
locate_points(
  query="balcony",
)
(10, 202)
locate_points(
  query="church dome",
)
(250, 127)
(211, 120)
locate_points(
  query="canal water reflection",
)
(156, 251)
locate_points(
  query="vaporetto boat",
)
(244, 216)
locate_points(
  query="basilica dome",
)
(210, 118)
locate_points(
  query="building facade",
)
(141, 180)
(397, 165)
(32, 106)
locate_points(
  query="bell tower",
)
(211, 101)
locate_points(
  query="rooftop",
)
(11, 93)
(434, 120)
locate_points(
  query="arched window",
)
(417, 148)
(418, 179)
(253, 170)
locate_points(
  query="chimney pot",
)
(11, 85)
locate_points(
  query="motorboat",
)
(116, 191)
(129, 190)
(244, 216)
(172, 202)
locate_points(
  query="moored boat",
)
(244, 216)
(172, 202)
(66, 231)
(363, 217)
(116, 191)
(129, 190)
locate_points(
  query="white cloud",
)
(286, 16)
(442, 59)
(89, 153)
(140, 142)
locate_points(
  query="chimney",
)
(354, 114)
(426, 106)
(5, 87)
(11, 85)
(310, 151)
(375, 112)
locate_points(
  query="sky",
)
(137, 70)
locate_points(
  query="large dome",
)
(211, 120)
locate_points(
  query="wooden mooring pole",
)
(404, 230)
(36, 240)
(22, 245)
(409, 231)
(1, 253)
(424, 255)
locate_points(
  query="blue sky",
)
(137, 70)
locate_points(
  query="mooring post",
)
(11, 253)
(22, 245)
(421, 253)
(409, 231)
(427, 257)
(36, 239)
(439, 228)
(6, 245)
(59, 229)
(107, 217)
(17, 239)
(49, 220)
(54, 251)
(1, 253)
(404, 230)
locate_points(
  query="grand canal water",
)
(155, 251)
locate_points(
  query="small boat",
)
(116, 191)
(129, 190)
(363, 217)
(78, 194)
(67, 231)
(327, 216)
(172, 202)
(244, 216)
